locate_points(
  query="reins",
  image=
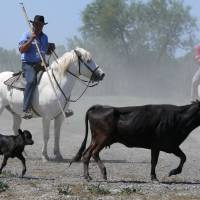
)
(85, 82)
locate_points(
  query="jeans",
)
(30, 75)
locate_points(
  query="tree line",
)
(9, 60)
(137, 44)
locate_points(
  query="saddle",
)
(18, 81)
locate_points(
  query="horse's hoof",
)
(45, 158)
(105, 178)
(58, 157)
(155, 181)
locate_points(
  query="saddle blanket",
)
(18, 81)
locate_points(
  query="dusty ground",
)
(128, 169)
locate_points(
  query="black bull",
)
(154, 127)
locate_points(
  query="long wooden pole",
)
(42, 59)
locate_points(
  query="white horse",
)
(63, 73)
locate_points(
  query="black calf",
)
(12, 146)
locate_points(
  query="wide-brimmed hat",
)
(38, 18)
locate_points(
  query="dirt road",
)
(128, 169)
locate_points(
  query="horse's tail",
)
(78, 156)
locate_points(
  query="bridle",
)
(80, 60)
(85, 82)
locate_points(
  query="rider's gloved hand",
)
(51, 48)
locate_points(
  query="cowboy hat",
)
(38, 18)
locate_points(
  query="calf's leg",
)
(154, 161)
(5, 158)
(21, 157)
(179, 153)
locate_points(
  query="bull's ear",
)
(20, 131)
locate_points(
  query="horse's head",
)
(87, 66)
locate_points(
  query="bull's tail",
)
(78, 156)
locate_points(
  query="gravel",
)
(128, 168)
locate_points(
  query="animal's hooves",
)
(45, 158)
(170, 174)
(173, 172)
(23, 173)
(58, 158)
(88, 178)
(154, 179)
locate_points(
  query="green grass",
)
(98, 190)
(64, 189)
(128, 190)
(3, 186)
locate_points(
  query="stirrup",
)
(27, 115)
(69, 113)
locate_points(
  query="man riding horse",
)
(31, 60)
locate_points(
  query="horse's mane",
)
(62, 64)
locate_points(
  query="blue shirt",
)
(32, 55)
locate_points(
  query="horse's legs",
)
(2, 103)
(2, 106)
(182, 157)
(16, 119)
(57, 126)
(16, 123)
(46, 125)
